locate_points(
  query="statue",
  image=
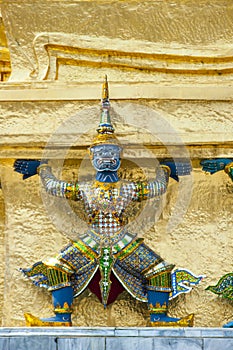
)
(224, 287)
(108, 258)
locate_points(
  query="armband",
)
(229, 170)
(228, 167)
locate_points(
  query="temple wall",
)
(31, 236)
(170, 90)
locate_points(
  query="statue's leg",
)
(158, 291)
(62, 299)
(62, 302)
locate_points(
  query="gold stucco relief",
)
(54, 50)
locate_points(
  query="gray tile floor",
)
(75, 338)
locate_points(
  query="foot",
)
(61, 321)
(228, 325)
(166, 321)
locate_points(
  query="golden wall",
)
(170, 70)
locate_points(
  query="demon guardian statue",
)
(107, 258)
(224, 287)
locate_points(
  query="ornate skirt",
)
(78, 265)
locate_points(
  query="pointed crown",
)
(105, 129)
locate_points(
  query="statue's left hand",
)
(178, 168)
(27, 167)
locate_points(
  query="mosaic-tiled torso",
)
(105, 204)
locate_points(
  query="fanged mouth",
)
(106, 160)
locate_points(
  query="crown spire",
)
(105, 94)
(105, 125)
(105, 128)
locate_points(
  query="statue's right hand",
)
(27, 167)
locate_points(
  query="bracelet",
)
(166, 167)
(42, 166)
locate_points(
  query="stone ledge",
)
(100, 338)
(50, 91)
(194, 152)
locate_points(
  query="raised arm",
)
(157, 187)
(168, 168)
(57, 187)
(52, 185)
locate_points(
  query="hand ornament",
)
(213, 165)
(27, 167)
(178, 168)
